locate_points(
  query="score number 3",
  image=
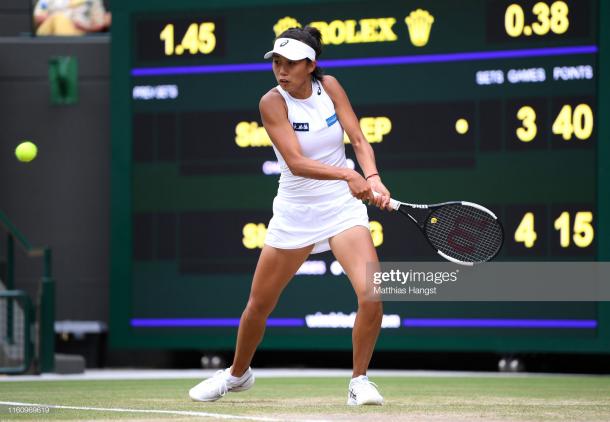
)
(528, 132)
(198, 39)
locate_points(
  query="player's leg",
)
(354, 248)
(58, 24)
(274, 270)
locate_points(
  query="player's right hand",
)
(359, 187)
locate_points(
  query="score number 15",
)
(198, 39)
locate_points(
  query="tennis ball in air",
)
(461, 126)
(26, 151)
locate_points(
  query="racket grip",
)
(393, 203)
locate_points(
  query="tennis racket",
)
(460, 231)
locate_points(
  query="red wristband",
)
(371, 175)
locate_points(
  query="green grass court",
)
(501, 398)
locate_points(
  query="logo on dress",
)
(301, 127)
(331, 120)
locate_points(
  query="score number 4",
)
(582, 231)
(199, 38)
(577, 122)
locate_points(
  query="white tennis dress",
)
(309, 211)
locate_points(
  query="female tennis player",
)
(318, 207)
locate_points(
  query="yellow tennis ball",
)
(433, 220)
(26, 151)
(461, 126)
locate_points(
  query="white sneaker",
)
(220, 384)
(362, 391)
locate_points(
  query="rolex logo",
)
(419, 23)
(284, 24)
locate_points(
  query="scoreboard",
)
(492, 101)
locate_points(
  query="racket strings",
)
(469, 233)
(484, 234)
(464, 233)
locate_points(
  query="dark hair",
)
(313, 38)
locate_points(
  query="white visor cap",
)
(291, 49)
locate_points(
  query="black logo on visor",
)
(284, 43)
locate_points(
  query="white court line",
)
(143, 374)
(164, 412)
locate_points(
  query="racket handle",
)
(393, 203)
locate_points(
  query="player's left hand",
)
(383, 200)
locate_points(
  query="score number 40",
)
(199, 38)
(577, 121)
(582, 230)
